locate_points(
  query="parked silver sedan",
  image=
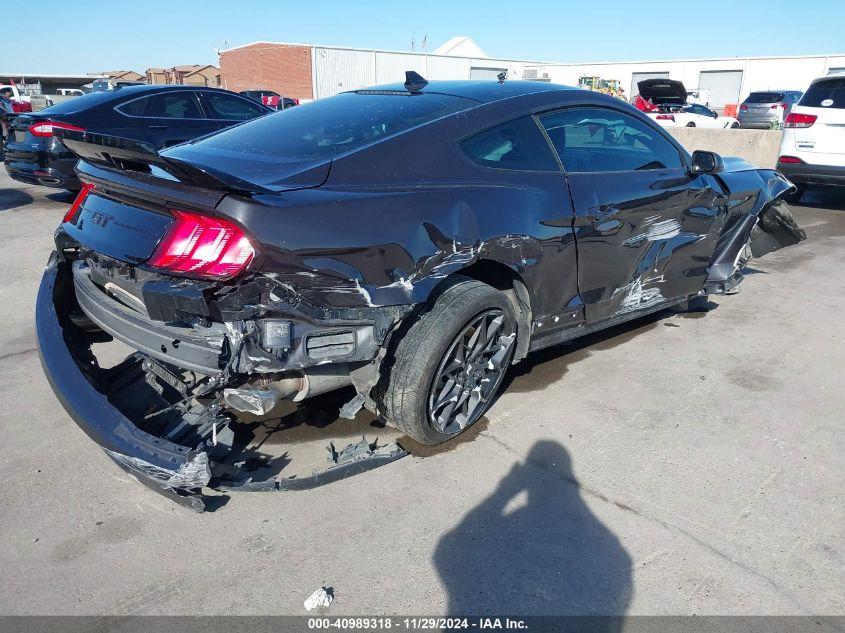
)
(763, 110)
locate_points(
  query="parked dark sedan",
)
(410, 241)
(159, 115)
(270, 98)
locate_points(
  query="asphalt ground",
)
(680, 464)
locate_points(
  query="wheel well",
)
(510, 282)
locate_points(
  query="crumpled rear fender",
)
(755, 212)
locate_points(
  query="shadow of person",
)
(534, 548)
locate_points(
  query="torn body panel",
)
(755, 213)
(162, 425)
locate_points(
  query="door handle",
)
(157, 127)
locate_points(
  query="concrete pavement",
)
(682, 464)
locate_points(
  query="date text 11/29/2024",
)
(417, 623)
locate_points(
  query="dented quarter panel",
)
(386, 228)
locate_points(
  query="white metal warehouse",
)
(313, 72)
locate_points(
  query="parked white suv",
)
(812, 151)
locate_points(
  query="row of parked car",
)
(162, 116)
(812, 151)
(672, 105)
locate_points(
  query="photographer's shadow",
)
(534, 548)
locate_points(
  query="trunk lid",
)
(116, 228)
(663, 91)
(127, 213)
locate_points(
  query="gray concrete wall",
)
(759, 147)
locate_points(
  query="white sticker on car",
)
(827, 102)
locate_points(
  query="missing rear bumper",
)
(169, 432)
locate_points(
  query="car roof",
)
(481, 91)
(145, 89)
(828, 78)
(758, 92)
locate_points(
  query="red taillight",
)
(45, 128)
(743, 108)
(71, 214)
(665, 117)
(201, 246)
(793, 119)
(789, 159)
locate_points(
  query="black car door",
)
(227, 109)
(175, 117)
(644, 227)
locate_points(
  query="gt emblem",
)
(101, 219)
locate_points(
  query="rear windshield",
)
(330, 127)
(79, 103)
(765, 97)
(829, 93)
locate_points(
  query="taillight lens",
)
(743, 108)
(794, 119)
(789, 159)
(71, 214)
(201, 246)
(666, 117)
(45, 128)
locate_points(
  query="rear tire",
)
(734, 125)
(449, 364)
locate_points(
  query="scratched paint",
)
(639, 294)
(655, 230)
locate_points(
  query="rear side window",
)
(602, 140)
(78, 104)
(175, 105)
(332, 126)
(223, 106)
(517, 145)
(135, 107)
(765, 97)
(829, 93)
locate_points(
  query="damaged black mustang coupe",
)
(410, 241)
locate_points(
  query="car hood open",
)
(663, 91)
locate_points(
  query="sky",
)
(85, 36)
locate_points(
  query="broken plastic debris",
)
(321, 598)
(351, 408)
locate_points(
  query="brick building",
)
(285, 68)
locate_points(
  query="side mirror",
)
(706, 163)
(715, 115)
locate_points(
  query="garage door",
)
(723, 85)
(638, 77)
(477, 72)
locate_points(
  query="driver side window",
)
(604, 140)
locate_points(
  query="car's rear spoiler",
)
(133, 155)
